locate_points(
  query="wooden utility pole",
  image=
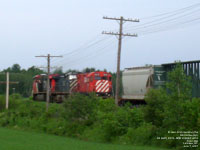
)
(7, 88)
(48, 82)
(119, 34)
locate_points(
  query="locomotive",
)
(59, 87)
(63, 85)
(99, 82)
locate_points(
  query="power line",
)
(176, 11)
(158, 22)
(184, 24)
(87, 45)
(89, 57)
(92, 48)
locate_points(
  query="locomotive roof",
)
(92, 73)
(50, 76)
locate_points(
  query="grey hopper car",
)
(136, 81)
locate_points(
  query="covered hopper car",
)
(138, 80)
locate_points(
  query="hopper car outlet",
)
(138, 80)
(63, 85)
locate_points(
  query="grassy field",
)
(22, 140)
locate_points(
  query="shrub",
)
(80, 108)
(154, 110)
(141, 135)
(2, 102)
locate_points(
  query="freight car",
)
(98, 82)
(138, 80)
(59, 87)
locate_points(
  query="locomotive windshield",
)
(104, 78)
(97, 78)
(101, 78)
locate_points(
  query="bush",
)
(2, 102)
(141, 135)
(79, 108)
(154, 110)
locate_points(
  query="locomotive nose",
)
(102, 86)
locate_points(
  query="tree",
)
(58, 71)
(34, 71)
(164, 105)
(87, 70)
(179, 85)
(16, 68)
(179, 90)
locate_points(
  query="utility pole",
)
(7, 88)
(119, 34)
(48, 82)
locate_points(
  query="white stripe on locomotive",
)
(102, 86)
(99, 84)
(107, 90)
(105, 87)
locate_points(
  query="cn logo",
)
(158, 77)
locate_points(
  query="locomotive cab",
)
(103, 84)
(97, 82)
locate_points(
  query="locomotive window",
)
(104, 78)
(97, 78)
(110, 78)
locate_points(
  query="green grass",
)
(22, 140)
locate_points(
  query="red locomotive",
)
(99, 82)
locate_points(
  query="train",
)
(136, 81)
(61, 86)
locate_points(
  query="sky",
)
(167, 31)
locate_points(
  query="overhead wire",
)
(83, 52)
(158, 22)
(173, 27)
(182, 9)
(91, 55)
(78, 50)
(169, 14)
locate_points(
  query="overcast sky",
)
(73, 28)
